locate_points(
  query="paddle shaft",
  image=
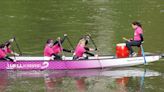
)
(13, 52)
(18, 46)
(142, 81)
(143, 53)
(61, 46)
(125, 39)
(93, 42)
(70, 42)
(96, 48)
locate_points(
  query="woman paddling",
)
(57, 47)
(82, 49)
(138, 37)
(8, 48)
(48, 51)
(3, 54)
(52, 49)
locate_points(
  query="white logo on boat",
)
(43, 65)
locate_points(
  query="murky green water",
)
(34, 21)
(93, 80)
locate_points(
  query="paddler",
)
(3, 54)
(82, 49)
(52, 49)
(8, 46)
(57, 47)
(138, 37)
(48, 50)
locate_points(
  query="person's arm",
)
(63, 38)
(141, 36)
(55, 56)
(89, 49)
(67, 50)
(11, 52)
(56, 42)
(91, 54)
(86, 48)
(86, 42)
(9, 41)
(4, 56)
(14, 53)
(8, 58)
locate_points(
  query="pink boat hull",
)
(39, 65)
(76, 64)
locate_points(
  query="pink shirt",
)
(79, 51)
(48, 51)
(137, 33)
(2, 53)
(57, 49)
(8, 50)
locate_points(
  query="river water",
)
(32, 22)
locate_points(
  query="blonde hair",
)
(82, 41)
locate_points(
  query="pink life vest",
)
(8, 50)
(48, 51)
(79, 51)
(57, 49)
(137, 33)
(2, 53)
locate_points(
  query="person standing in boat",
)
(57, 47)
(3, 54)
(138, 37)
(82, 49)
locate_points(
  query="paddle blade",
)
(162, 55)
(124, 38)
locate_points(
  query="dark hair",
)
(48, 41)
(86, 42)
(137, 23)
(7, 43)
(2, 45)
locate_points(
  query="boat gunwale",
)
(81, 59)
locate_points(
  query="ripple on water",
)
(161, 11)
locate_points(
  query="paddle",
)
(142, 81)
(70, 42)
(18, 46)
(162, 56)
(92, 41)
(95, 47)
(59, 41)
(142, 49)
(14, 51)
(143, 53)
(125, 39)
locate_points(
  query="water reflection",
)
(94, 80)
(3, 80)
(52, 84)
